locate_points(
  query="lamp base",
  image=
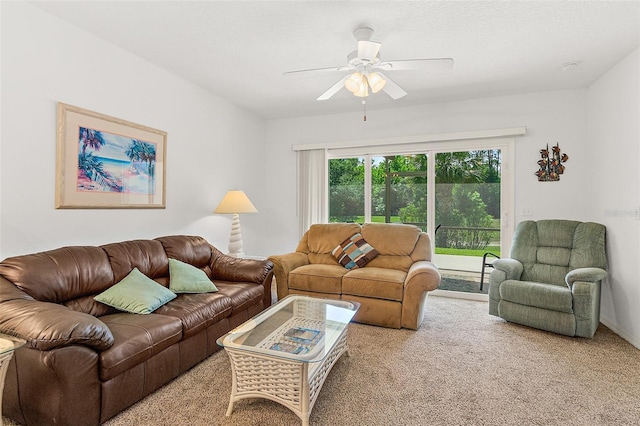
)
(235, 240)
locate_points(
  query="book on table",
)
(289, 348)
(307, 336)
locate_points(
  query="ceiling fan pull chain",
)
(364, 103)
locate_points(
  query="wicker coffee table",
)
(286, 352)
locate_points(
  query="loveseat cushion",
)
(197, 311)
(540, 295)
(318, 278)
(136, 339)
(321, 239)
(395, 244)
(378, 283)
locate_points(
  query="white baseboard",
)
(460, 295)
(635, 341)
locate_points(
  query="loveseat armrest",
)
(47, 325)
(585, 275)
(423, 276)
(511, 267)
(282, 265)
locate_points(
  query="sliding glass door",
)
(467, 215)
(455, 192)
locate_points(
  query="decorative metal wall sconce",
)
(551, 164)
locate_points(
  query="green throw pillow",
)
(136, 293)
(185, 278)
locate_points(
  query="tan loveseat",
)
(391, 289)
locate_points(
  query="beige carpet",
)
(463, 367)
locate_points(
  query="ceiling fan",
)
(367, 69)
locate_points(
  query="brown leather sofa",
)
(391, 289)
(84, 361)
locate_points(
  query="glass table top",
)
(9, 343)
(297, 327)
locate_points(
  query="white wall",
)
(549, 117)
(613, 140)
(212, 145)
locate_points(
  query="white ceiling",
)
(239, 49)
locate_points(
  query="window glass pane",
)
(346, 190)
(468, 202)
(399, 189)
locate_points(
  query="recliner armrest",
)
(511, 267)
(585, 274)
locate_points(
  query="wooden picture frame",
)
(104, 162)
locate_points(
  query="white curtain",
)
(312, 188)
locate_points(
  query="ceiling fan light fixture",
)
(363, 90)
(354, 82)
(376, 82)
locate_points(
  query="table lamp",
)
(235, 202)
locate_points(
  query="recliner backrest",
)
(549, 249)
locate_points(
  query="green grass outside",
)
(456, 252)
(379, 219)
(464, 252)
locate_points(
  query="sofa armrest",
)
(511, 267)
(47, 325)
(229, 268)
(585, 274)
(282, 265)
(233, 269)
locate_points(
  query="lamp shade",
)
(235, 202)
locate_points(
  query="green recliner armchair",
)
(552, 280)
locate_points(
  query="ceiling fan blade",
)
(435, 64)
(391, 88)
(332, 90)
(317, 70)
(368, 50)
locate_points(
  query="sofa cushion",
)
(60, 275)
(378, 283)
(548, 296)
(242, 295)
(136, 293)
(136, 339)
(185, 278)
(318, 278)
(146, 255)
(197, 311)
(354, 252)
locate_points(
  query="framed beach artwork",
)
(108, 163)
